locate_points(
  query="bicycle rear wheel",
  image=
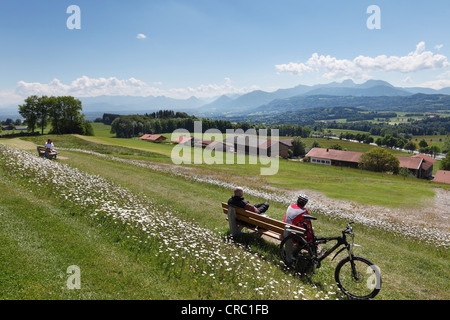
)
(358, 278)
(296, 254)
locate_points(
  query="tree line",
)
(62, 113)
(128, 126)
(425, 127)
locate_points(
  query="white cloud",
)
(435, 84)
(444, 75)
(408, 80)
(209, 90)
(141, 36)
(87, 87)
(92, 87)
(442, 82)
(361, 66)
(438, 47)
(9, 97)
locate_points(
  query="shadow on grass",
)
(270, 252)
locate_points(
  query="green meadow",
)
(42, 236)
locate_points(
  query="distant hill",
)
(413, 103)
(300, 96)
(136, 104)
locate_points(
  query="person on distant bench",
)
(50, 149)
(237, 200)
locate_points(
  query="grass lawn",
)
(399, 259)
(40, 239)
(43, 237)
(335, 182)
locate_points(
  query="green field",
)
(46, 233)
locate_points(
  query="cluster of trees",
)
(311, 115)
(428, 126)
(379, 160)
(445, 163)
(403, 143)
(136, 125)
(108, 118)
(167, 114)
(361, 137)
(62, 113)
(128, 126)
(10, 124)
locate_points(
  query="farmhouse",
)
(153, 137)
(426, 170)
(183, 140)
(332, 157)
(219, 146)
(413, 164)
(421, 166)
(283, 147)
(201, 143)
(442, 176)
(254, 146)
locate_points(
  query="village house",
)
(239, 144)
(414, 165)
(184, 140)
(284, 146)
(153, 137)
(442, 176)
(333, 157)
(426, 170)
(258, 147)
(421, 166)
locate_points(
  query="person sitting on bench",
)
(295, 215)
(237, 200)
(50, 149)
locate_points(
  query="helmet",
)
(302, 199)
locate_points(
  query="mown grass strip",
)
(397, 257)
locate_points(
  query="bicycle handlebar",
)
(349, 228)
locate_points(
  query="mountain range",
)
(254, 101)
(257, 100)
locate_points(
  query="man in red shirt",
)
(295, 214)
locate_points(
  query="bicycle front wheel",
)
(358, 278)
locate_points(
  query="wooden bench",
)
(270, 229)
(41, 151)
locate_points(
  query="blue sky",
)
(211, 47)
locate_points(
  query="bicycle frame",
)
(341, 240)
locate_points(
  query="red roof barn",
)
(442, 176)
(153, 137)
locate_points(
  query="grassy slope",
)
(39, 240)
(398, 258)
(410, 270)
(341, 183)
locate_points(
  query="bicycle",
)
(357, 277)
